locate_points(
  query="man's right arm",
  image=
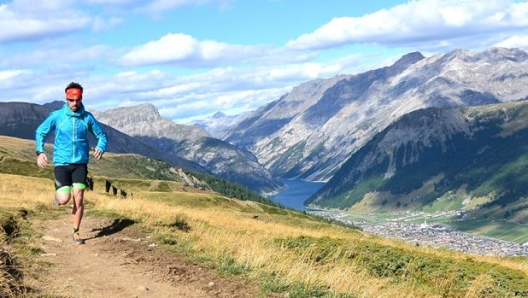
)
(40, 137)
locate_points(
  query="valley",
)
(447, 229)
(451, 230)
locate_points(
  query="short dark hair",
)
(73, 85)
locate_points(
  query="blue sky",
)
(192, 58)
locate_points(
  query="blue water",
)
(297, 192)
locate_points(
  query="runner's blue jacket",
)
(71, 135)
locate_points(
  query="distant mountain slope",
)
(309, 132)
(20, 120)
(144, 123)
(475, 155)
(219, 124)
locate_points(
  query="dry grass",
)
(10, 283)
(221, 233)
(225, 229)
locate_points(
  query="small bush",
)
(180, 222)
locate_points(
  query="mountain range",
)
(350, 131)
(145, 124)
(326, 130)
(311, 131)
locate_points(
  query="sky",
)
(193, 58)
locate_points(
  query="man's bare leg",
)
(78, 207)
(77, 212)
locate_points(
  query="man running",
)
(71, 151)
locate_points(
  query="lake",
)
(296, 193)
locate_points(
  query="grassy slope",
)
(284, 251)
(493, 178)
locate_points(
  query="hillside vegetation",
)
(285, 252)
(478, 153)
(18, 157)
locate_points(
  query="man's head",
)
(74, 95)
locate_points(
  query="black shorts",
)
(70, 174)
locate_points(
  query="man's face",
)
(74, 100)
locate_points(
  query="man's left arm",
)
(100, 135)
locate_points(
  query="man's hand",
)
(97, 154)
(42, 160)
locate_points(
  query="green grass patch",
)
(444, 203)
(505, 230)
(442, 275)
(24, 168)
(229, 266)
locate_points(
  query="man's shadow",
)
(116, 226)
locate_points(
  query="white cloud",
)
(169, 48)
(427, 21)
(156, 7)
(39, 8)
(52, 55)
(186, 51)
(101, 24)
(515, 41)
(159, 6)
(8, 74)
(117, 2)
(32, 21)
(238, 101)
(9, 78)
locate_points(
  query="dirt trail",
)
(118, 260)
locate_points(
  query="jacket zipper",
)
(73, 139)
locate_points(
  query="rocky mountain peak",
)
(219, 115)
(145, 120)
(144, 112)
(308, 132)
(408, 59)
(57, 104)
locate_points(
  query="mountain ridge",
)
(475, 152)
(144, 123)
(219, 124)
(309, 132)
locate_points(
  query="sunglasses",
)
(72, 99)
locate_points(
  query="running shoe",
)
(77, 240)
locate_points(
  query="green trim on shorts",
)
(79, 185)
(64, 189)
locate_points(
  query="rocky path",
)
(118, 260)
